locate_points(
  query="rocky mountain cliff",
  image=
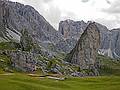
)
(111, 45)
(85, 51)
(72, 30)
(15, 17)
(24, 33)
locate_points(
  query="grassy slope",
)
(23, 82)
(109, 66)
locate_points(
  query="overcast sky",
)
(106, 12)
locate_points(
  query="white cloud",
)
(57, 10)
(114, 8)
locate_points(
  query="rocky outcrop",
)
(21, 60)
(72, 30)
(26, 41)
(30, 62)
(85, 51)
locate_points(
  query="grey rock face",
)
(32, 21)
(85, 51)
(115, 42)
(21, 60)
(111, 43)
(66, 45)
(104, 35)
(24, 61)
(3, 16)
(30, 62)
(17, 17)
(72, 30)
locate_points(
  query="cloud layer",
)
(103, 11)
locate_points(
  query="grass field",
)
(24, 82)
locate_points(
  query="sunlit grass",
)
(24, 82)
